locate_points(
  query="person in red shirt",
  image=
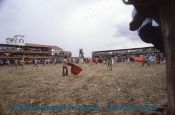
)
(158, 58)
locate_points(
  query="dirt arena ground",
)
(128, 84)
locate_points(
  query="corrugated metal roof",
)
(47, 46)
(34, 45)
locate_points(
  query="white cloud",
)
(70, 24)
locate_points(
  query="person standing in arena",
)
(109, 63)
(65, 69)
(8, 63)
(158, 58)
(16, 63)
(22, 63)
(146, 61)
(35, 63)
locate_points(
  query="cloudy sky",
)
(70, 24)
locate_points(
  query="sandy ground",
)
(128, 84)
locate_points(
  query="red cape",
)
(139, 59)
(74, 69)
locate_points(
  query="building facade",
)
(17, 40)
(125, 52)
(16, 48)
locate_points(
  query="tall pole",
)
(168, 28)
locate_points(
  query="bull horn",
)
(131, 1)
(127, 2)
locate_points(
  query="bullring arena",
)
(128, 84)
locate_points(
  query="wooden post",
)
(167, 17)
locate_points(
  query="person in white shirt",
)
(22, 63)
(16, 63)
(65, 69)
(8, 63)
(35, 63)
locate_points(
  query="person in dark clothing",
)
(109, 63)
(146, 61)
